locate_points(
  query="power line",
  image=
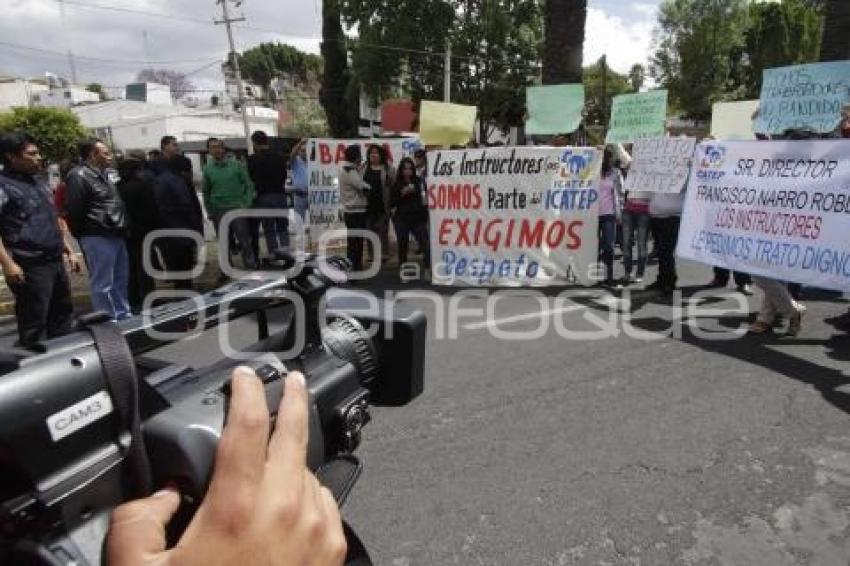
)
(103, 59)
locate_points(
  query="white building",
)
(129, 124)
(51, 91)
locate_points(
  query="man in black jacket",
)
(268, 173)
(32, 245)
(98, 218)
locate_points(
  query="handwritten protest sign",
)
(323, 158)
(803, 96)
(660, 165)
(519, 216)
(441, 123)
(637, 116)
(777, 209)
(731, 121)
(554, 109)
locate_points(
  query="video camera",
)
(94, 419)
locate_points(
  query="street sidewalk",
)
(80, 284)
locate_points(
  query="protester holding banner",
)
(300, 178)
(411, 216)
(353, 191)
(380, 176)
(610, 199)
(665, 211)
(777, 301)
(636, 230)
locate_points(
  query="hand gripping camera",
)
(94, 419)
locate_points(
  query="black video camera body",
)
(94, 419)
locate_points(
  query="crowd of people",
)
(111, 207)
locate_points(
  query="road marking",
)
(522, 317)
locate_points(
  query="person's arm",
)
(11, 271)
(75, 201)
(262, 500)
(206, 189)
(296, 148)
(68, 251)
(247, 186)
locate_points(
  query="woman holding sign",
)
(610, 197)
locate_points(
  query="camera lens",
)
(347, 339)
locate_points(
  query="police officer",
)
(32, 245)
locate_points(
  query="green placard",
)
(554, 109)
(637, 116)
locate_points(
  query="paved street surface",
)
(620, 451)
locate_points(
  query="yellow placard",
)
(441, 123)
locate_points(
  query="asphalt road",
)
(623, 448)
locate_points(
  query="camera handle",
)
(119, 369)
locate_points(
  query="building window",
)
(36, 98)
(144, 131)
(67, 94)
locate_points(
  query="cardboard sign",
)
(803, 97)
(554, 109)
(446, 124)
(637, 116)
(660, 165)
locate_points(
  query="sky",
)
(112, 45)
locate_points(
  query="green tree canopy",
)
(97, 88)
(495, 45)
(601, 85)
(714, 51)
(268, 61)
(56, 130)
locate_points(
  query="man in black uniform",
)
(32, 245)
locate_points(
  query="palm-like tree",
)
(564, 45)
(836, 31)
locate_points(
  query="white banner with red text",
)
(323, 159)
(514, 216)
(777, 209)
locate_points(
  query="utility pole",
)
(605, 111)
(72, 64)
(447, 81)
(234, 60)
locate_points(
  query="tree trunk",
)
(836, 31)
(564, 47)
(335, 94)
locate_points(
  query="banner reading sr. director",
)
(777, 209)
(514, 216)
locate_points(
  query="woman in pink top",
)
(610, 197)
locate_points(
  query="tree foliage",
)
(268, 61)
(697, 44)
(836, 33)
(179, 82)
(714, 51)
(338, 96)
(495, 48)
(56, 130)
(601, 85)
(778, 34)
(97, 88)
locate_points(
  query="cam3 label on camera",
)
(79, 415)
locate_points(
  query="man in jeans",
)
(268, 173)
(32, 245)
(300, 179)
(98, 218)
(227, 187)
